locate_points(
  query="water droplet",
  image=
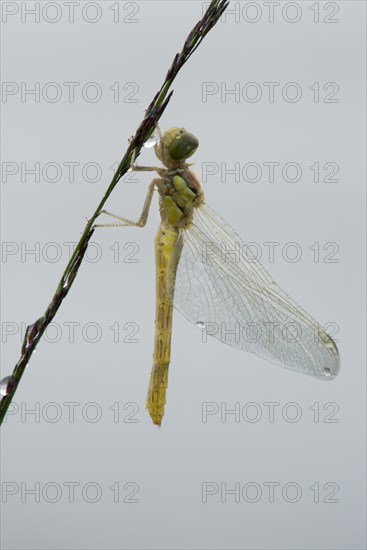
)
(150, 142)
(200, 324)
(6, 385)
(327, 371)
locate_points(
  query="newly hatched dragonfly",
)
(228, 295)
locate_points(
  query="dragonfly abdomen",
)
(165, 242)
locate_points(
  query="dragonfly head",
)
(176, 146)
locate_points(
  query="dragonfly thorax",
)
(180, 192)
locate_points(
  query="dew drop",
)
(6, 385)
(327, 371)
(150, 142)
(200, 324)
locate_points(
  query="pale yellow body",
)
(165, 242)
(179, 193)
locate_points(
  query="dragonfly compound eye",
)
(183, 145)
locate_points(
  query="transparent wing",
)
(222, 289)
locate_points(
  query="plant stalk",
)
(153, 113)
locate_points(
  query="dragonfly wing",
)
(222, 289)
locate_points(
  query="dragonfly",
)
(202, 270)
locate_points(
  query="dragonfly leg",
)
(136, 168)
(159, 131)
(159, 144)
(124, 222)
